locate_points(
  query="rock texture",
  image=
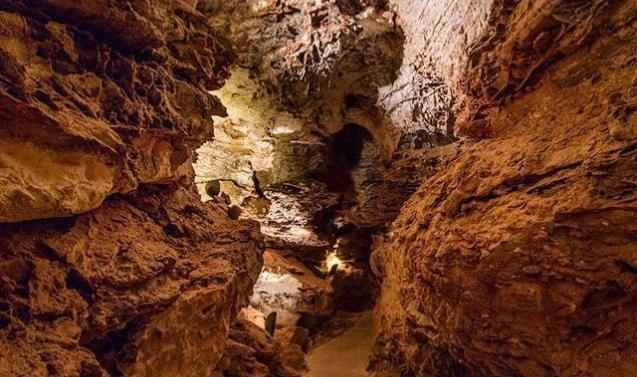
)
(252, 353)
(291, 290)
(314, 55)
(517, 259)
(99, 98)
(102, 106)
(147, 285)
(304, 149)
(307, 71)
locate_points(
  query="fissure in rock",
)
(318, 188)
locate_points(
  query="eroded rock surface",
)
(517, 258)
(147, 284)
(290, 289)
(253, 353)
(102, 106)
(98, 98)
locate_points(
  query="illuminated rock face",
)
(314, 54)
(306, 71)
(257, 143)
(289, 288)
(517, 258)
(102, 105)
(99, 99)
(513, 122)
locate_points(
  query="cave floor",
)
(346, 355)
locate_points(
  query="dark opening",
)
(346, 148)
(356, 100)
(213, 188)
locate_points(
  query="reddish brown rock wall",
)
(518, 258)
(102, 104)
(147, 284)
(97, 98)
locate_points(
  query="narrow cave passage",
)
(316, 288)
(300, 155)
(318, 188)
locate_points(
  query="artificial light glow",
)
(261, 5)
(332, 260)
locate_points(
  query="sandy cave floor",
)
(346, 355)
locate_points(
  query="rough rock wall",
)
(252, 353)
(308, 70)
(102, 105)
(518, 258)
(146, 285)
(98, 98)
(422, 102)
(314, 54)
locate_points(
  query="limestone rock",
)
(97, 98)
(251, 352)
(290, 289)
(147, 285)
(517, 258)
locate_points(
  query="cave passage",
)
(346, 147)
(318, 188)
(300, 184)
(316, 277)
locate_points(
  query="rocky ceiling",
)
(173, 173)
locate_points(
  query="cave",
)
(318, 188)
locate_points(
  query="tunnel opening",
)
(296, 165)
(345, 149)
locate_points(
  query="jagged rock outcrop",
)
(321, 58)
(517, 259)
(253, 353)
(121, 270)
(382, 188)
(258, 144)
(147, 285)
(308, 71)
(99, 98)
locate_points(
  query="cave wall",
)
(517, 258)
(110, 264)
(306, 70)
(143, 286)
(97, 99)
